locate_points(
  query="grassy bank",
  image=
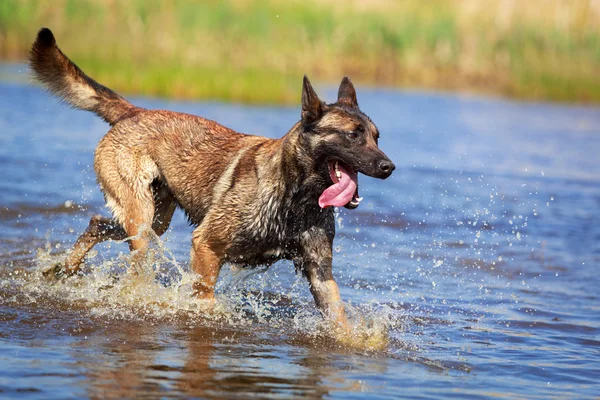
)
(257, 51)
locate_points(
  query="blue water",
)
(471, 272)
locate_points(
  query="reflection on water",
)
(470, 272)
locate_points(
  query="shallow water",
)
(471, 272)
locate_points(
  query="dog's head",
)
(343, 141)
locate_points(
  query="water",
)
(471, 272)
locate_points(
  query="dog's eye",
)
(352, 135)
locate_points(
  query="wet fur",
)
(253, 200)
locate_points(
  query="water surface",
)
(471, 272)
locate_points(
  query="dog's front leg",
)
(315, 263)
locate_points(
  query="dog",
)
(253, 200)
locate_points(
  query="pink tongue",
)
(339, 194)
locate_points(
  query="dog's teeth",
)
(358, 199)
(337, 171)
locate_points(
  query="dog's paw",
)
(113, 280)
(57, 272)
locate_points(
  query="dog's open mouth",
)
(344, 191)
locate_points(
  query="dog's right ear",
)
(347, 94)
(312, 106)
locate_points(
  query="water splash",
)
(162, 291)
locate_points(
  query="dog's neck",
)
(297, 161)
(288, 206)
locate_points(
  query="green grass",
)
(257, 51)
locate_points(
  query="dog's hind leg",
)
(100, 229)
(126, 178)
(164, 207)
(206, 261)
(137, 215)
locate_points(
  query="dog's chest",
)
(248, 258)
(273, 232)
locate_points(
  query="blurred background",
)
(257, 51)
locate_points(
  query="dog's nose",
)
(386, 166)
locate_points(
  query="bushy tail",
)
(66, 80)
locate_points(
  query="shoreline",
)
(256, 52)
(22, 77)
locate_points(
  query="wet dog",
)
(253, 200)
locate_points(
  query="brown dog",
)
(253, 200)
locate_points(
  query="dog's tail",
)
(67, 81)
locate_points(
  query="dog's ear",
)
(312, 106)
(347, 94)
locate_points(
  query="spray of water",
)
(161, 290)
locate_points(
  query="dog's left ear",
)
(347, 94)
(312, 106)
